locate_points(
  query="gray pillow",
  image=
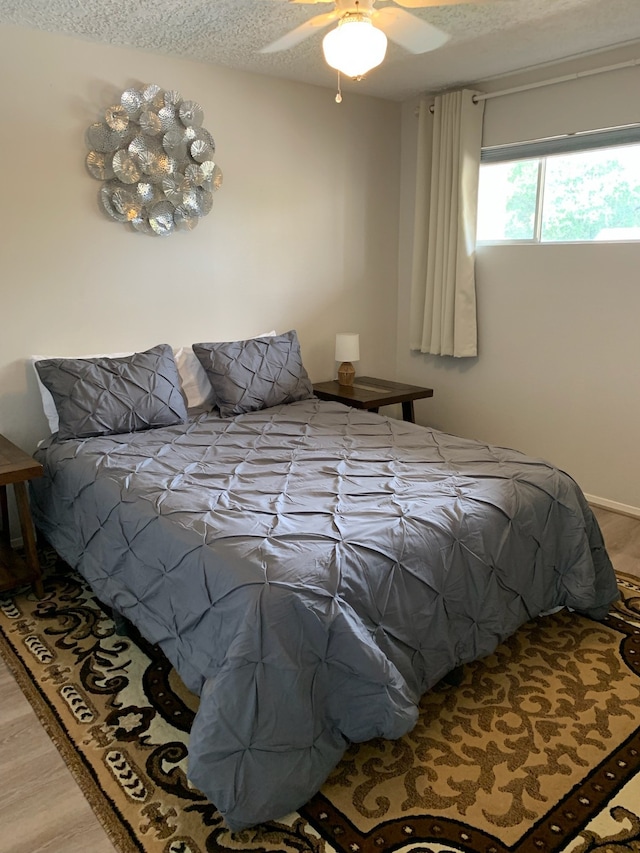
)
(104, 396)
(255, 374)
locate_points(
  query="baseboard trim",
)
(613, 506)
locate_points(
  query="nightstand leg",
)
(407, 411)
(4, 515)
(28, 537)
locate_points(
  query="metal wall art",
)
(156, 161)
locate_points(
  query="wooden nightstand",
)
(16, 467)
(370, 393)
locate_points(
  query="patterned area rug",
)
(536, 749)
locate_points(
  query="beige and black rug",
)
(537, 749)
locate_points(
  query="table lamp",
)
(347, 350)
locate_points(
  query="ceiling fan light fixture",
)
(355, 46)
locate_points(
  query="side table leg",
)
(4, 516)
(28, 537)
(407, 411)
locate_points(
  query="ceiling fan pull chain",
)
(339, 95)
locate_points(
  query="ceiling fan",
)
(359, 43)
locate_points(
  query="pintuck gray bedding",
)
(311, 570)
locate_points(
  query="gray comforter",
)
(311, 570)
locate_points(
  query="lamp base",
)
(346, 373)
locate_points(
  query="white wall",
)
(558, 370)
(302, 233)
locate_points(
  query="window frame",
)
(540, 149)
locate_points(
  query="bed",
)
(309, 569)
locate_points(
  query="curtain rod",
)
(575, 76)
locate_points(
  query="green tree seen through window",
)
(521, 205)
(584, 194)
(582, 197)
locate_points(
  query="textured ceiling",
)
(486, 39)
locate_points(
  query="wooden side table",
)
(16, 468)
(370, 393)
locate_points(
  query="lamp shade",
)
(347, 346)
(355, 46)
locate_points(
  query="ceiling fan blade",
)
(422, 4)
(299, 34)
(408, 31)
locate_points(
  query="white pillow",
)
(49, 407)
(195, 382)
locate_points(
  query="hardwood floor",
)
(622, 538)
(42, 809)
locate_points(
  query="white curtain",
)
(443, 290)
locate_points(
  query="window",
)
(579, 188)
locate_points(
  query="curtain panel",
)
(443, 291)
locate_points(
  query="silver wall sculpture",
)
(156, 161)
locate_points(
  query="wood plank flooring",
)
(622, 538)
(42, 810)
